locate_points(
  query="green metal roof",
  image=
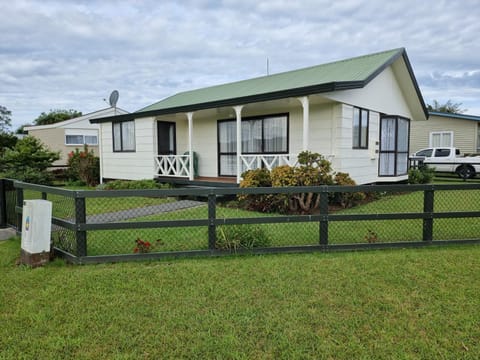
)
(349, 71)
(455, 116)
(346, 74)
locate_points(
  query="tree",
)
(21, 129)
(28, 161)
(7, 141)
(5, 119)
(449, 107)
(55, 116)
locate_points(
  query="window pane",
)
(74, 139)
(478, 138)
(436, 140)
(228, 165)
(387, 141)
(442, 152)
(128, 136)
(91, 140)
(117, 141)
(364, 129)
(356, 128)
(275, 134)
(402, 135)
(227, 137)
(387, 164)
(426, 153)
(252, 136)
(402, 164)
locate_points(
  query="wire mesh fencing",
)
(116, 225)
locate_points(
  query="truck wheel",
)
(466, 172)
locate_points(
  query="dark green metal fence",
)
(104, 226)
(8, 201)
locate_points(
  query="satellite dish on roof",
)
(113, 98)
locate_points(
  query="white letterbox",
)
(36, 230)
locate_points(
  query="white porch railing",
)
(173, 165)
(270, 161)
(179, 165)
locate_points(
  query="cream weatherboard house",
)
(447, 130)
(68, 135)
(355, 112)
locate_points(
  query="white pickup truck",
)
(449, 160)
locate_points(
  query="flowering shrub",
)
(84, 166)
(143, 247)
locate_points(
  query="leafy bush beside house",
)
(313, 170)
(421, 175)
(84, 166)
(145, 184)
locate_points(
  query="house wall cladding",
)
(464, 133)
(135, 165)
(55, 140)
(361, 164)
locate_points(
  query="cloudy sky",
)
(72, 54)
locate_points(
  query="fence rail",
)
(103, 226)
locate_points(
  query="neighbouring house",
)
(68, 135)
(356, 112)
(448, 130)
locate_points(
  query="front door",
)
(166, 138)
(394, 133)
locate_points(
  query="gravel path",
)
(143, 211)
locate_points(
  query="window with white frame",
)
(441, 139)
(81, 139)
(124, 136)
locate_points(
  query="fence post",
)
(212, 233)
(428, 199)
(19, 213)
(80, 219)
(323, 207)
(3, 204)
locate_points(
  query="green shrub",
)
(28, 161)
(257, 202)
(346, 199)
(83, 166)
(234, 237)
(313, 170)
(421, 175)
(130, 185)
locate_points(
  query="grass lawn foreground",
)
(393, 304)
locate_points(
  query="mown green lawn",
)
(398, 304)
